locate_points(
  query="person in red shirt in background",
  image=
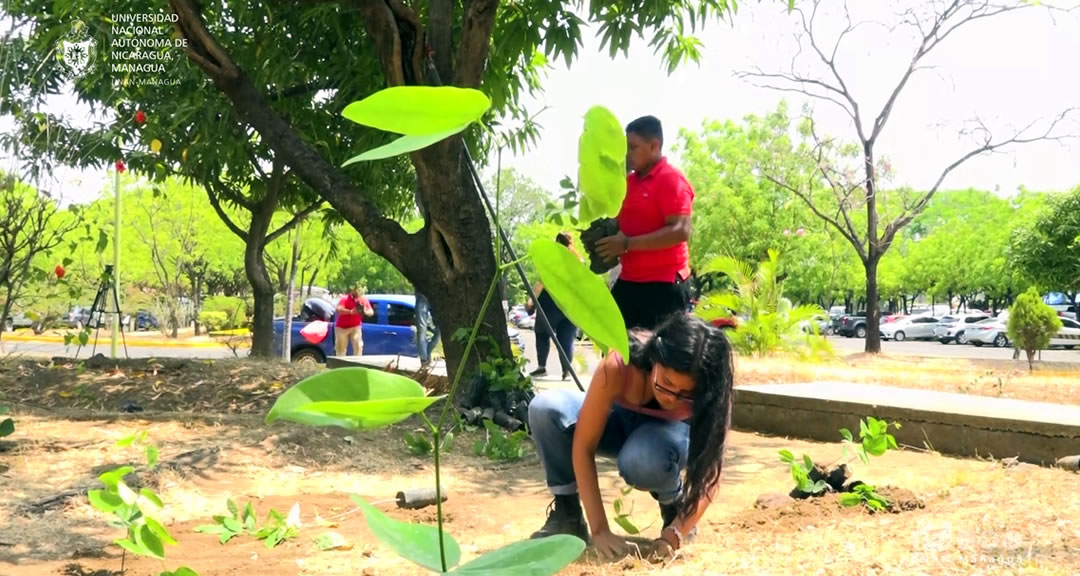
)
(654, 227)
(351, 310)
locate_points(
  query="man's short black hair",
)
(647, 127)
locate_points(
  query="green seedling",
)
(141, 439)
(623, 514)
(874, 439)
(275, 530)
(499, 445)
(864, 494)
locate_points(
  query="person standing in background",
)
(423, 321)
(654, 227)
(351, 310)
(564, 330)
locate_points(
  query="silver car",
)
(954, 328)
(912, 327)
(990, 332)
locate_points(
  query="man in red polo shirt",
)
(654, 226)
(348, 327)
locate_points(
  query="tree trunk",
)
(456, 271)
(873, 317)
(286, 335)
(262, 290)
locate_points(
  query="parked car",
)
(991, 331)
(954, 328)
(912, 327)
(851, 325)
(1069, 335)
(17, 320)
(391, 331)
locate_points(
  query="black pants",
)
(647, 304)
(566, 332)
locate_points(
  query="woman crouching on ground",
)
(665, 410)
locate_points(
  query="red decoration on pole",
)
(60, 272)
(120, 166)
(140, 117)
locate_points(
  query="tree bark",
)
(873, 316)
(262, 289)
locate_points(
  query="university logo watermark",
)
(78, 50)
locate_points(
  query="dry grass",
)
(1057, 382)
(979, 517)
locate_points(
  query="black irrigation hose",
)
(520, 270)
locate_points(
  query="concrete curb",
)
(135, 342)
(956, 424)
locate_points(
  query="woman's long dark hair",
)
(691, 346)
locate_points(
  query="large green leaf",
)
(581, 295)
(7, 427)
(541, 557)
(357, 386)
(404, 145)
(601, 165)
(371, 413)
(419, 110)
(417, 543)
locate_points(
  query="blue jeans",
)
(651, 453)
(423, 315)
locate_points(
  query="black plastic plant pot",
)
(597, 231)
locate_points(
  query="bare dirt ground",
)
(976, 517)
(1058, 382)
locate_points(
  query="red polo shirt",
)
(650, 200)
(351, 320)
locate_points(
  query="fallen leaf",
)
(293, 518)
(332, 541)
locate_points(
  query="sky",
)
(1007, 71)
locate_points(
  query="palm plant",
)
(766, 321)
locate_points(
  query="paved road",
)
(936, 349)
(843, 345)
(49, 350)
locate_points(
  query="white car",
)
(910, 328)
(991, 331)
(954, 328)
(1069, 335)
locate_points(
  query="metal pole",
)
(520, 270)
(116, 263)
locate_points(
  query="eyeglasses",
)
(678, 395)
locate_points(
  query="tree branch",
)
(383, 236)
(809, 202)
(212, 192)
(939, 30)
(475, 42)
(296, 219)
(383, 30)
(440, 35)
(988, 146)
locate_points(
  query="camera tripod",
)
(99, 309)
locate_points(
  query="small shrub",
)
(1031, 324)
(234, 310)
(214, 321)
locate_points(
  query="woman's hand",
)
(609, 546)
(660, 551)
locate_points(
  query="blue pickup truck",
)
(391, 331)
